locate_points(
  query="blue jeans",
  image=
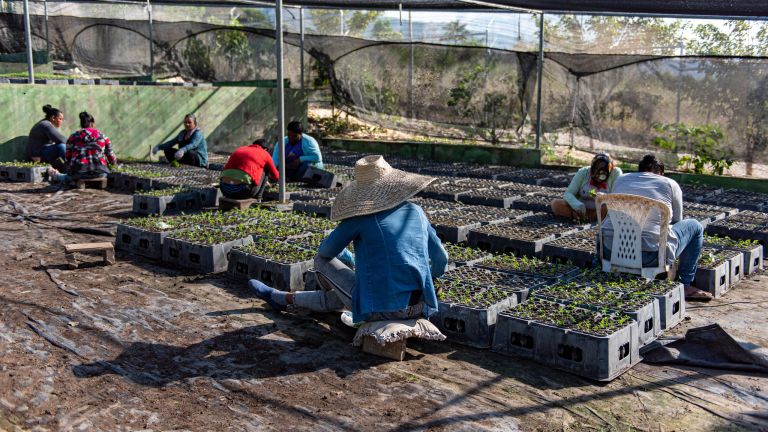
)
(690, 236)
(52, 152)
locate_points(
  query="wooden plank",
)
(229, 203)
(87, 247)
(393, 350)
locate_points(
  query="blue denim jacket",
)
(393, 250)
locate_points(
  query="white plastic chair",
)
(628, 214)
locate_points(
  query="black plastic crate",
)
(538, 202)
(445, 192)
(200, 256)
(491, 197)
(753, 253)
(141, 241)
(322, 178)
(525, 236)
(565, 338)
(579, 248)
(321, 208)
(641, 306)
(713, 273)
(177, 202)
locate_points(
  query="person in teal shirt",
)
(397, 252)
(301, 152)
(193, 149)
(578, 201)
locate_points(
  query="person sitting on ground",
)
(301, 152)
(193, 149)
(578, 202)
(397, 251)
(88, 155)
(45, 142)
(685, 236)
(246, 171)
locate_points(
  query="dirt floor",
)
(137, 346)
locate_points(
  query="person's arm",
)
(275, 154)
(311, 150)
(616, 173)
(111, 157)
(196, 140)
(438, 257)
(571, 194)
(270, 168)
(168, 144)
(53, 134)
(338, 240)
(677, 202)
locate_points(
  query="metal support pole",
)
(280, 97)
(410, 67)
(539, 79)
(28, 34)
(47, 39)
(151, 43)
(341, 22)
(679, 82)
(301, 45)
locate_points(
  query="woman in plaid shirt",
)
(89, 153)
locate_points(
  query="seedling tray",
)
(209, 196)
(238, 265)
(431, 205)
(478, 183)
(647, 316)
(461, 255)
(445, 192)
(713, 277)
(739, 199)
(530, 266)
(141, 242)
(452, 229)
(490, 197)
(315, 194)
(578, 248)
(34, 174)
(322, 178)
(471, 325)
(321, 208)
(753, 253)
(184, 201)
(598, 357)
(670, 296)
(202, 258)
(7, 172)
(537, 202)
(521, 237)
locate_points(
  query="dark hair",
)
(86, 120)
(262, 142)
(650, 163)
(50, 111)
(191, 116)
(295, 127)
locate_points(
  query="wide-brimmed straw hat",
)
(377, 187)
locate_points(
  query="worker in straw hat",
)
(397, 252)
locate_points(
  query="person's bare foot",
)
(695, 294)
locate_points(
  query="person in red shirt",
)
(245, 174)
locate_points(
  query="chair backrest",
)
(628, 214)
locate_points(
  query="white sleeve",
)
(677, 202)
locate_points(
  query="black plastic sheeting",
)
(713, 8)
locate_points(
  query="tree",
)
(355, 22)
(729, 85)
(456, 32)
(383, 30)
(234, 45)
(197, 55)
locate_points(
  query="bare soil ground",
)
(137, 346)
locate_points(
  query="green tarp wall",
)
(137, 117)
